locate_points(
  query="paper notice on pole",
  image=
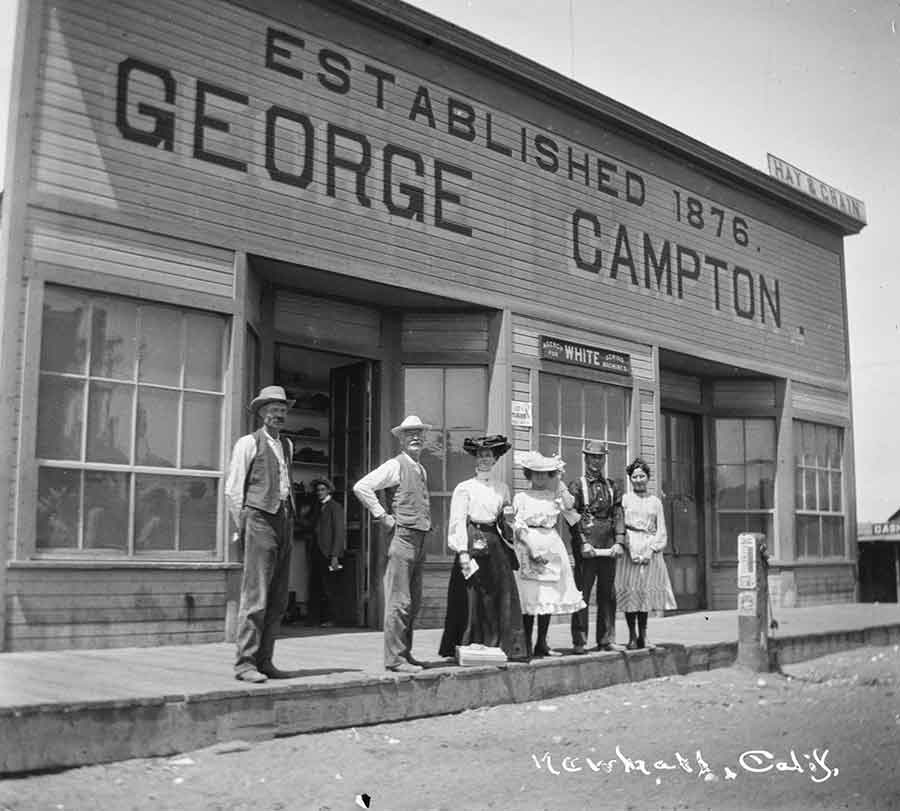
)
(746, 561)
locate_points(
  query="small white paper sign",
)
(521, 415)
(746, 573)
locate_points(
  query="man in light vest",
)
(261, 502)
(408, 521)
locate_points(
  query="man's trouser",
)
(402, 592)
(603, 572)
(264, 585)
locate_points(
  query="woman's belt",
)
(484, 527)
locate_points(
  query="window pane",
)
(595, 410)
(730, 441)
(106, 510)
(436, 540)
(761, 486)
(58, 498)
(201, 431)
(64, 331)
(466, 398)
(808, 544)
(824, 490)
(616, 463)
(423, 395)
(836, 449)
(113, 338)
(832, 536)
(730, 489)
(109, 422)
(154, 519)
(199, 507)
(160, 345)
(836, 499)
(571, 455)
(548, 445)
(730, 526)
(760, 440)
(617, 413)
(432, 460)
(572, 414)
(460, 465)
(60, 418)
(809, 489)
(549, 404)
(204, 347)
(156, 440)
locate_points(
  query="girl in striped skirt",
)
(642, 579)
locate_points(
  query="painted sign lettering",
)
(580, 355)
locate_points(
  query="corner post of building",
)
(500, 381)
(235, 426)
(753, 602)
(781, 545)
(22, 93)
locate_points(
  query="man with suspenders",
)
(596, 541)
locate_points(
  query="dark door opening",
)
(681, 481)
(878, 572)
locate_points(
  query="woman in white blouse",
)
(482, 598)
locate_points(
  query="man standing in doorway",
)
(596, 541)
(408, 522)
(259, 497)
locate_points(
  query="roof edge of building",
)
(434, 31)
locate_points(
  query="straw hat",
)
(538, 463)
(269, 394)
(411, 423)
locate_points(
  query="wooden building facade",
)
(386, 215)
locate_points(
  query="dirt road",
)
(825, 735)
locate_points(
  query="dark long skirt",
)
(497, 617)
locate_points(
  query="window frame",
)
(30, 464)
(571, 473)
(445, 555)
(798, 468)
(718, 557)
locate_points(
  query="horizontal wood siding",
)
(740, 394)
(88, 244)
(648, 436)
(526, 332)
(335, 324)
(444, 332)
(521, 437)
(520, 206)
(54, 609)
(681, 388)
(13, 393)
(821, 585)
(816, 400)
(723, 588)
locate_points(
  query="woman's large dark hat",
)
(497, 443)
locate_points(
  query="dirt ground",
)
(823, 735)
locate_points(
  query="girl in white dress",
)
(545, 579)
(642, 579)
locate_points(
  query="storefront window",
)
(745, 481)
(818, 488)
(573, 410)
(453, 399)
(129, 433)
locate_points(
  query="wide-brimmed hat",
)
(538, 463)
(269, 394)
(595, 447)
(411, 423)
(497, 443)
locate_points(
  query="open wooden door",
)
(351, 459)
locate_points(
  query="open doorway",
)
(330, 427)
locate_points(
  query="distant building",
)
(879, 560)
